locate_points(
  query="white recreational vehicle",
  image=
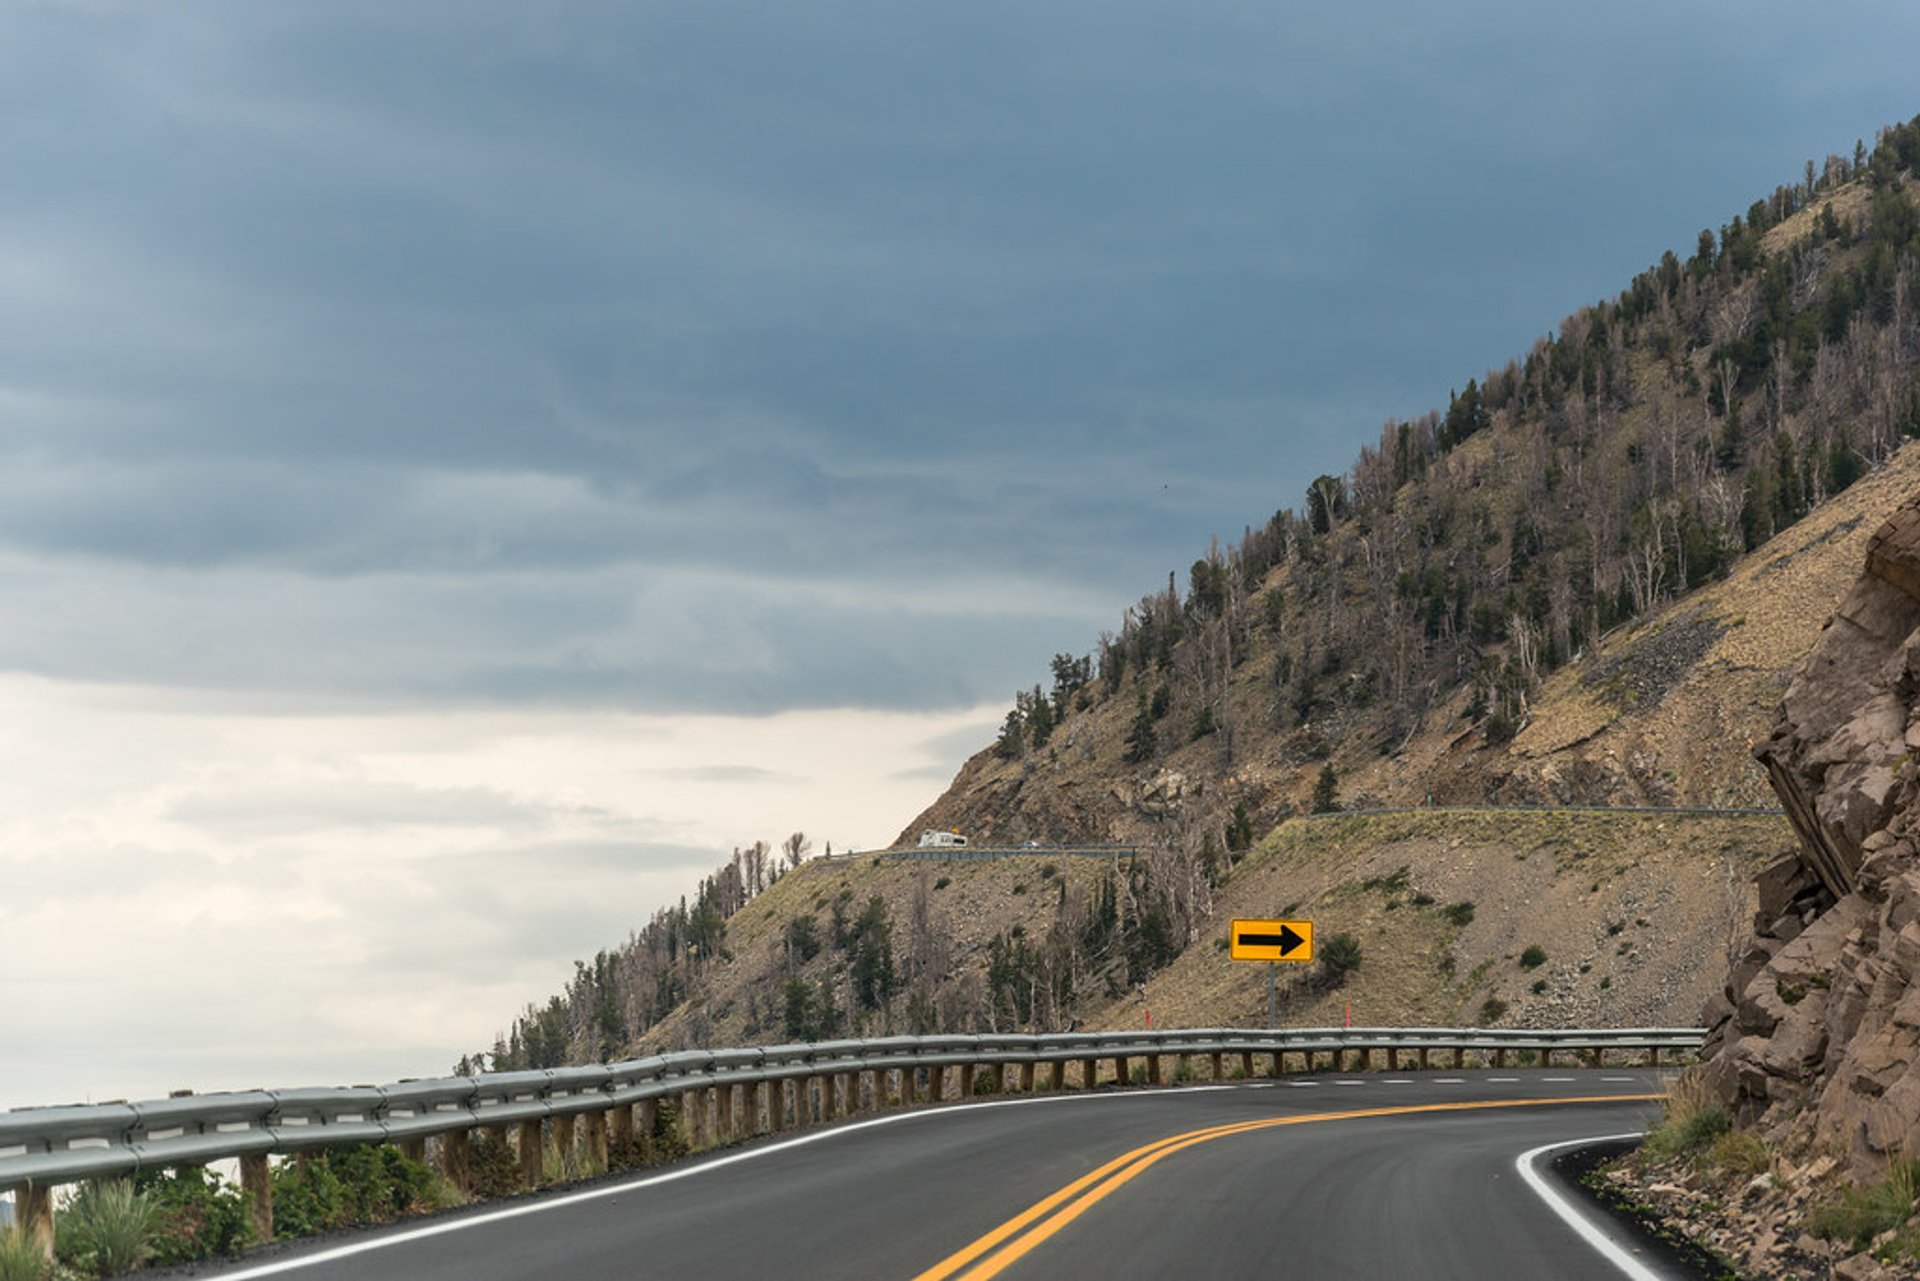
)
(934, 838)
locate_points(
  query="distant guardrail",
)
(1011, 851)
(791, 1086)
(1129, 851)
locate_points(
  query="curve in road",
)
(1361, 1177)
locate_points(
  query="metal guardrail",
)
(44, 1147)
(945, 852)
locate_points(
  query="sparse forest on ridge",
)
(1462, 617)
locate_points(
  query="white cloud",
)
(218, 899)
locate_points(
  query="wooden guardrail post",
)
(563, 1132)
(1153, 1069)
(1089, 1073)
(649, 1126)
(597, 1156)
(453, 1158)
(1026, 1077)
(1120, 1069)
(256, 1189)
(531, 1157)
(1217, 1065)
(620, 1127)
(33, 1207)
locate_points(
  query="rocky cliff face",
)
(1817, 1037)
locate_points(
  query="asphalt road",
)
(1270, 1179)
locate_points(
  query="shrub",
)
(351, 1184)
(197, 1215)
(987, 1082)
(106, 1228)
(1340, 957)
(943, 882)
(1741, 1151)
(1534, 957)
(1460, 914)
(20, 1258)
(1693, 1119)
(1539, 986)
(492, 1169)
(1492, 1010)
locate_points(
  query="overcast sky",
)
(469, 465)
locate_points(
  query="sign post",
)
(1272, 942)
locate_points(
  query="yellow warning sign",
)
(1271, 941)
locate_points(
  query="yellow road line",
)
(1020, 1234)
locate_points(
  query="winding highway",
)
(1325, 1176)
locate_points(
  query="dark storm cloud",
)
(379, 313)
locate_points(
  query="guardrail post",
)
(1655, 1061)
(33, 1207)
(1026, 1078)
(1216, 1065)
(1246, 1064)
(1089, 1073)
(849, 1094)
(803, 1102)
(453, 1157)
(620, 1124)
(1500, 1057)
(1393, 1058)
(597, 1140)
(649, 1124)
(530, 1154)
(1153, 1069)
(256, 1189)
(563, 1132)
(1120, 1067)
(1424, 1053)
(763, 1107)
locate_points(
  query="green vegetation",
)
(21, 1259)
(106, 1229)
(1339, 957)
(1459, 914)
(1858, 1215)
(348, 1185)
(198, 1215)
(1534, 957)
(1691, 1120)
(1492, 1010)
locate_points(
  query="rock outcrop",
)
(1818, 1034)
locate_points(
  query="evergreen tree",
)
(1325, 790)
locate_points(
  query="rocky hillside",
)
(1581, 585)
(1817, 1038)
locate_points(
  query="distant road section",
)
(1319, 1175)
(950, 852)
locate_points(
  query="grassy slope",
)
(1676, 887)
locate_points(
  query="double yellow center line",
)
(1012, 1240)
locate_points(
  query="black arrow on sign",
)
(1286, 940)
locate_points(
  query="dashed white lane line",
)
(1503, 1080)
(1397, 1080)
(1304, 1085)
(1558, 1080)
(1349, 1082)
(1449, 1080)
(1619, 1078)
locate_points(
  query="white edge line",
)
(1589, 1231)
(383, 1241)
